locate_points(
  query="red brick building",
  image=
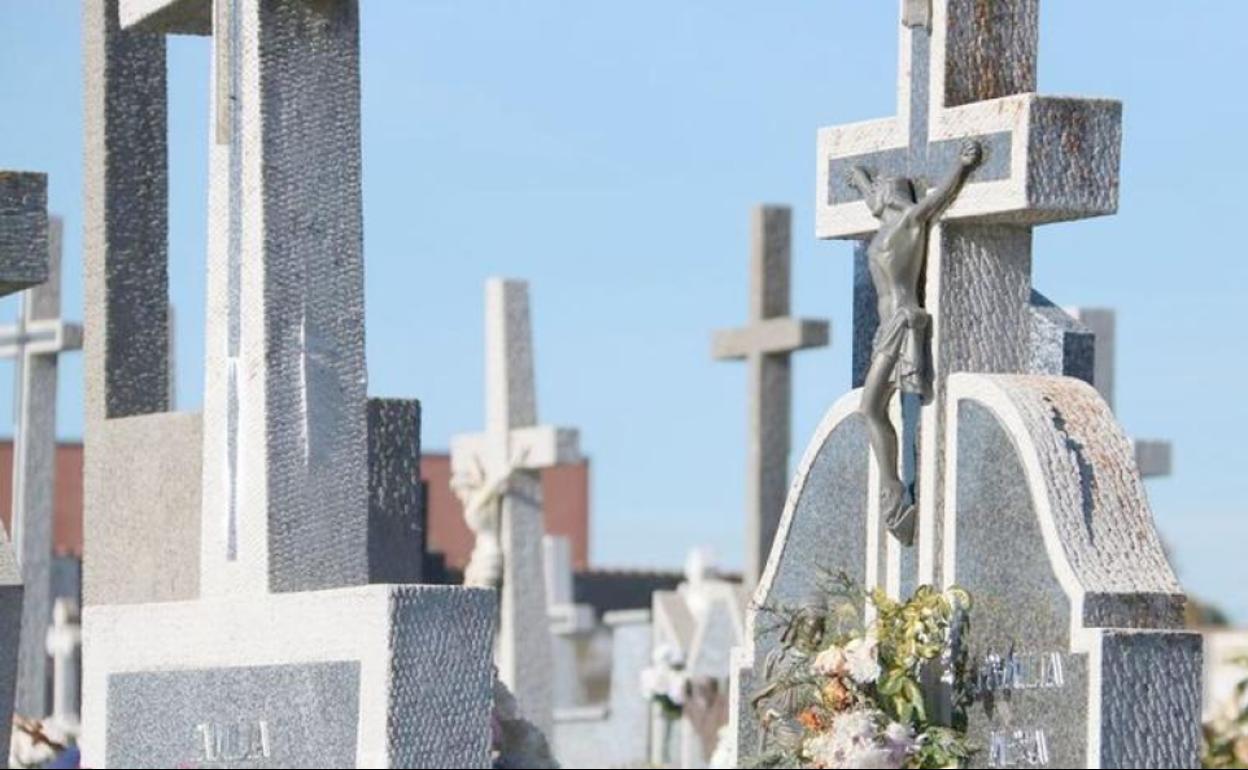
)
(565, 490)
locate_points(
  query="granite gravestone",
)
(288, 651)
(24, 262)
(1153, 457)
(1029, 494)
(767, 345)
(35, 342)
(495, 473)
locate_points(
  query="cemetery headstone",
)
(767, 345)
(614, 733)
(1028, 493)
(24, 262)
(289, 652)
(495, 473)
(34, 343)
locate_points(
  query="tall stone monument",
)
(285, 649)
(767, 345)
(1028, 492)
(35, 342)
(495, 473)
(24, 262)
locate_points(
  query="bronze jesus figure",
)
(899, 356)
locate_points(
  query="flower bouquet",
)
(841, 692)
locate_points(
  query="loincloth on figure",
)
(904, 338)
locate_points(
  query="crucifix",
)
(34, 343)
(967, 79)
(495, 475)
(767, 345)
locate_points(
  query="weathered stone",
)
(23, 230)
(814, 538)
(283, 654)
(1075, 639)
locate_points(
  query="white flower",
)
(855, 727)
(668, 655)
(872, 757)
(676, 685)
(654, 681)
(899, 742)
(862, 660)
(830, 662)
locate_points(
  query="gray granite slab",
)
(298, 715)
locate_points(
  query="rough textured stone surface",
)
(1150, 696)
(127, 342)
(23, 230)
(396, 521)
(1060, 344)
(613, 734)
(293, 715)
(285, 433)
(767, 345)
(10, 633)
(826, 527)
(1051, 533)
(423, 654)
(277, 470)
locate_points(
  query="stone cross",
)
(1046, 159)
(64, 646)
(35, 342)
(306, 522)
(1152, 457)
(1029, 494)
(24, 262)
(767, 345)
(496, 474)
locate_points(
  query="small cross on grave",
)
(767, 345)
(495, 474)
(34, 343)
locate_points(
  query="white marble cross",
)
(964, 75)
(767, 344)
(35, 343)
(495, 474)
(64, 646)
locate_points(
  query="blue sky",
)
(610, 153)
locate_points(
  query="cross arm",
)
(170, 17)
(773, 335)
(532, 448)
(1046, 159)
